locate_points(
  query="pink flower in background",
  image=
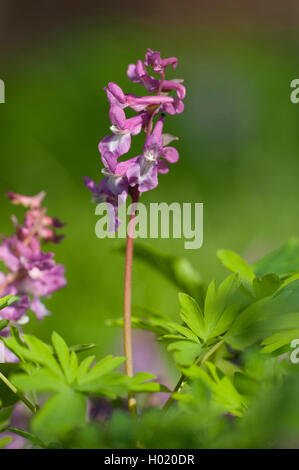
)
(20, 418)
(32, 274)
(43, 225)
(138, 173)
(33, 202)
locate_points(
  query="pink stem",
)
(128, 301)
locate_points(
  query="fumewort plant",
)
(233, 344)
(138, 174)
(31, 273)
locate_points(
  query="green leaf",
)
(191, 314)
(145, 319)
(39, 352)
(246, 329)
(4, 441)
(84, 367)
(139, 384)
(63, 355)
(225, 394)
(217, 304)
(109, 385)
(266, 285)
(185, 332)
(15, 333)
(283, 261)
(211, 307)
(40, 380)
(185, 352)
(60, 415)
(73, 366)
(102, 368)
(278, 340)
(82, 347)
(246, 385)
(5, 417)
(8, 300)
(29, 436)
(225, 321)
(236, 264)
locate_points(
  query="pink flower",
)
(113, 190)
(138, 171)
(154, 159)
(33, 202)
(158, 64)
(32, 274)
(138, 74)
(117, 97)
(119, 142)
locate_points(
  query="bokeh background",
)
(239, 136)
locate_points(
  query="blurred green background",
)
(239, 139)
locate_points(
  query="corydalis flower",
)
(119, 142)
(138, 74)
(31, 273)
(36, 220)
(117, 97)
(144, 171)
(33, 202)
(158, 64)
(113, 190)
(140, 173)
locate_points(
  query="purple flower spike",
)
(138, 172)
(32, 274)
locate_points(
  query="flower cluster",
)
(140, 173)
(31, 273)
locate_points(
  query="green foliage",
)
(224, 394)
(5, 416)
(27, 435)
(146, 319)
(225, 346)
(56, 369)
(244, 309)
(4, 441)
(236, 264)
(7, 397)
(283, 262)
(197, 422)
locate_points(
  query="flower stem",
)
(22, 397)
(128, 301)
(200, 362)
(175, 390)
